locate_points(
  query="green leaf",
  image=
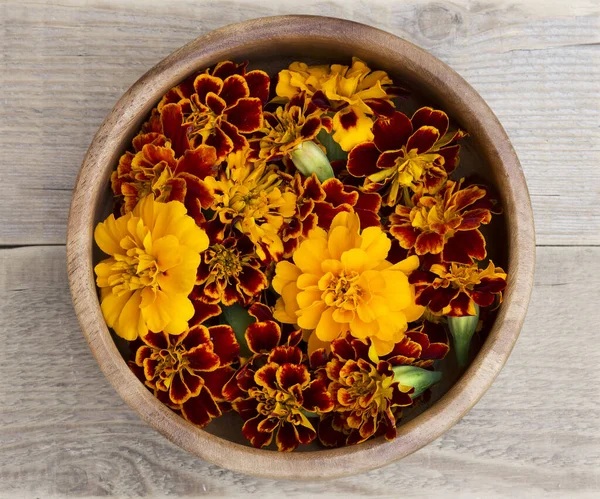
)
(334, 151)
(239, 319)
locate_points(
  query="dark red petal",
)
(203, 311)
(287, 438)
(464, 246)
(156, 340)
(423, 139)
(200, 162)
(381, 107)
(198, 191)
(194, 337)
(202, 358)
(460, 305)
(239, 141)
(227, 68)
(261, 313)
(321, 101)
(342, 349)
(392, 133)
(406, 235)
(294, 337)
(256, 438)
(467, 196)
(252, 281)
(490, 285)
(326, 213)
(328, 435)
(442, 298)
(268, 425)
(192, 381)
(289, 375)
(400, 398)
(427, 116)
(205, 84)
(258, 83)
(221, 142)
(285, 355)
(311, 128)
(313, 189)
(472, 219)
(318, 358)
(234, 88)
(246, 115)
(262, 337)
(427, 242)
(482, 299)
(450, 155)
(224, 343)
(305, 435)
(200, 410)
(172, 122)
(178, 391)
(316, 397)
(216, 380)
(266, 376)
(215, 103)
(336, 194)
(362, 160)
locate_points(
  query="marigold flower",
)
(454, 289)
(155, 170)
(354, 93)
(445, 223)
(341, 282)
(276, 397)
(299, 121)
(255, 199)
(406, 153)
(421, 346)
(230, 272)
(365, 393)
(154, 253)
(217, 107)
(191, 368)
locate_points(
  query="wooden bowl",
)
(271, 43)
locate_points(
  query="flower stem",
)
(462, 330)
(309, 158)
(416, 377)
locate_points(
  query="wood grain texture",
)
(65, 64)
(64, 431)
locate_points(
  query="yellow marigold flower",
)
(154, 253)
(254, 198)
(354, 92)
(341, 282)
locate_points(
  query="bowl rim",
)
(327, 463)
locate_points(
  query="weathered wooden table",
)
(63, 429)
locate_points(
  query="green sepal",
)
(462, 330)
(309, 158)
(420, 379)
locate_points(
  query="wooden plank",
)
(64, 65)
(65, 432)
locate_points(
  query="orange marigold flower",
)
(190, 369)
(299, 121)
(230, 272)
(155, 170)
(354, 93)
(341, 282)
(445, 223)
(453, 289)
(406, 153)
(154, 253)
(365, 393)
(254, 199)
(276, 398)
(217, 107)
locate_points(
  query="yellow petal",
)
(158, 313)
(127, 324)
(314, 343)
(355, 260)
(309, 255)
(361, 132)
(182, 311)
(166, 252)
(280, 314)
(327, 328)
(112, 305)
(407, 265)
(306, 298)
(181, 278)
(285, 272)
(309, 317)
(376, 244)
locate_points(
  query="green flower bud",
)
(462, 329)
(417, 378)
(309, 158)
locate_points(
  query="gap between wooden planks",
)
(64, 66)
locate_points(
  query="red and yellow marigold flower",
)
(230, 272)
(445, 223)
(276, 398)
(300, 120)
(341, 282)
(454, 289)
(416, 152)
(155, 170)
(218, 107)
(189, 370)
(154, 252)
(365, 393)
(354, 93)
(255, 199)
(421, 346)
